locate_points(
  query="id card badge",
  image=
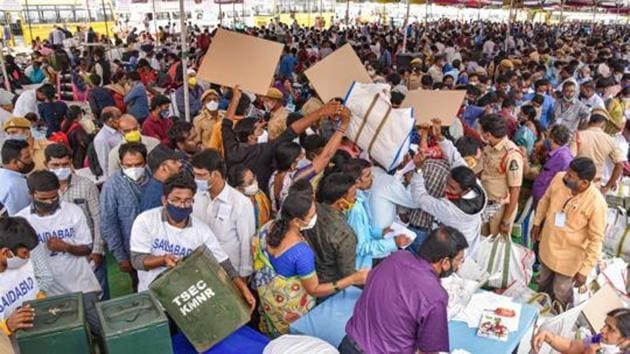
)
(561, 219)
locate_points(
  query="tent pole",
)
(157, 34)
(184, 42)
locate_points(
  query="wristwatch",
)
(335, 286)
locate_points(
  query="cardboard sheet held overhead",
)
(602, 302)
(237, 59)
(430, 104)
(333, 76)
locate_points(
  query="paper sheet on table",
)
(399, 229)
(486, 300)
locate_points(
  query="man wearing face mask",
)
(161, 237)
(570, 111)
(158, 122)
(333, 241)
(17, 240)
(246, 142)
(62, 227)
(84, 193)
(163, 163)
(569, 224)
(195, 92)
(16, 164)
(464, 197)
(120, 203)
(502, 174)
(228, 212)
(19, 128)
(130, 130)
(278, 114)
(417, 321)
(208, 122)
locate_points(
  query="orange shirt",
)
(576, 246)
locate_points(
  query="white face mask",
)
(251, 189)
(63, 173)
(16, 262)
(262, 138)
(202, 185)
(608, 349)
(311, 224)
(212, 106)
(134, 173)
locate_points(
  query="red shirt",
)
(157, 127)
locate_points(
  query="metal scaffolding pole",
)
(184, 39)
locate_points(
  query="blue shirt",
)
(370, 241)
(546, 109)
(287, 65)
(13, 191)
(137, 102)
(151, 196)
(298, 260)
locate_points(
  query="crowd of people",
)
(290, 207)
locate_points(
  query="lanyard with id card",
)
(561, 216)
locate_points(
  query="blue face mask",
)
(547, 144)
(164, 113)
(178, 214)
(202, 185)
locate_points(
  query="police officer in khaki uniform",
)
(275, 106)
(502, 174)
(600, 147)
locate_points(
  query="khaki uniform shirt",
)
(576, 246)
(595, 144)
(277, 123)
(204, 124)
(502, 169)
(37, 153)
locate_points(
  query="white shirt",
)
(72, 273)
(152, 234)
(231, 217)
(106, 139)
(26, 103)
(16, 287)
(594, 102)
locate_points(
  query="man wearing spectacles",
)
(161, 237)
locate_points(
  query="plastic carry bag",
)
(377, 128)
(506, 262)
(616, 240)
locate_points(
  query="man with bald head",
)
(108, 136)
(129, 129)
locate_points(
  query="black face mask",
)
(46, 207)
(27, 167)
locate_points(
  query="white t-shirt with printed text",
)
(72, 273)
(16, 287)
(151, 234)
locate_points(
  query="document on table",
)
(485, 300)
(399, 229)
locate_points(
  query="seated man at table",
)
(403, 306)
